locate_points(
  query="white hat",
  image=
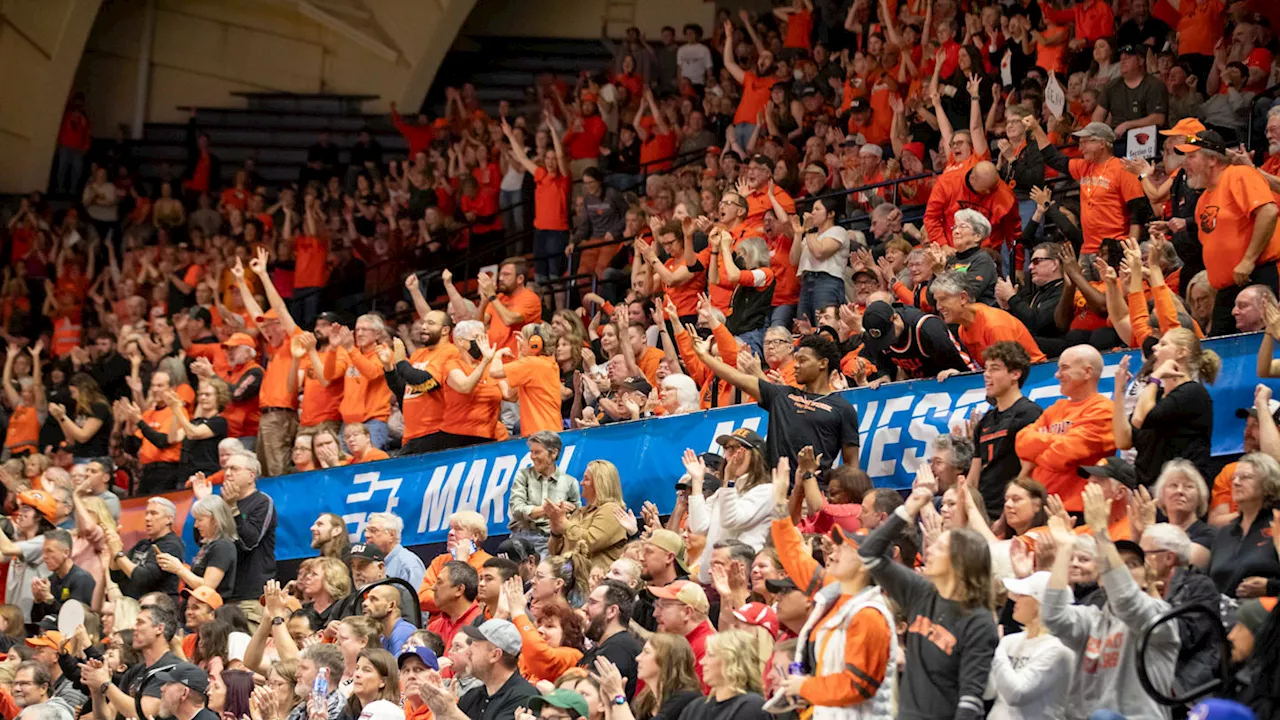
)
(1033, 585)
(382, 710)
(871, 149)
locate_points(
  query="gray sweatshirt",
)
(1106, 640)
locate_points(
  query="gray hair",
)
(390, 522)
(1087, 545)
(961, 450)
(951, 282)
(754, 252)
(174, 368)
(468, 330)
(1269, 474)
(166, 506)
(60, 536)
(1178, 466)
(777, 331)
(378, 325)
(549, 441)
(1273, 112)
(974, 219)
(686, 390)
(250, 463)
(218, 509)
(232, 445)
(1172, 538)
(883, 210)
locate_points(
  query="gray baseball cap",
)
(1099, 130)
(500, 633)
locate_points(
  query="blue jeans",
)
(782, 316)
(742, 133)
(513, 216)
(623, 183)
(538, 539)
(379, 434)
(819, 290)
(548, 254)
(754, 339)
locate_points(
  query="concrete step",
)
(312, 103)
(176, 134)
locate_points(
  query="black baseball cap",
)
(636, 383)
(185, 674)
(201, 314)
(877, 325)
(365, 551)
(1132, 49)
(515, 549)
(743, 435)
(859, 105)
(1129, 546)
(780, 585)
(330, 316)
(1206, 139)
(1116, 468)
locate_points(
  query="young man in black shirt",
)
(918, 344)
(66, 581)
(255, 515)
(609, 611)
(813, 415)
(995, 461)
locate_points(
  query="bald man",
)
(383, 605)
(979, 189)
(1075, 431)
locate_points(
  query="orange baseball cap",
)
(43, 503)
(268, 315)
(239, 340)
(689, 593)
(1186, 126)
(206, 595)
(51, 639)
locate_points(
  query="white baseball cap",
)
(1033, 585)
(382, 710)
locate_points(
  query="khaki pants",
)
(276, 431)
(252, 610)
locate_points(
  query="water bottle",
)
(318, 703)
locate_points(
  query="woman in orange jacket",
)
(552, 646)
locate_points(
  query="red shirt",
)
(657, 151)
(698, 641)
(311, 261)
(441, 625)
(586, 144)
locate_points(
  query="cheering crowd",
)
(669, 237)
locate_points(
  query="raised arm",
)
(977, 130)
(745, 382)
(517, 149)
(259, 267)
(729, 63)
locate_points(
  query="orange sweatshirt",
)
(538, 660)
(1068, 435)
(427, 591)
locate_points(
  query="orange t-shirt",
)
(757, 205)
(275, 390)
(1052, 57)
(551, 200)
(370, 455)
(786, 289)
(23, 433)
(1222, 488)
(991, 325)
(536, 379)
(685, 296)
(1200, 27)
(476, 413)
(967, 164)
(648, 364)
(423, 405)
(1105, 191)
(365, 395)
(233, 198)
(755, 94)
(214, 351)
(524, 301)
(160, 420)
(1224, 214)
(321, 402)
(657, 150)
(799, 28)
(311, 261)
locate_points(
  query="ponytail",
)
(1210, 364)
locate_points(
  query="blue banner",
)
(898, 421)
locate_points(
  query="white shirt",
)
(694, 60)
(730, 515)
(833, 265)
(1030, 677)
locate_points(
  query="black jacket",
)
(1200, 655)
(1034, 307)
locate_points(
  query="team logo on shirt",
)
(1209, 219)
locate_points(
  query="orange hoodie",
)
(701, 374)
(1068, 435)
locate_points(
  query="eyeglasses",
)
(1037, 261)
(777, 341)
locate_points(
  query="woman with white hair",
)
(1243, 560)
(1182, 495)
(472, 398)
(970, 230)
(215, 564)
(678, 394)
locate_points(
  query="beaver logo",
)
(1209, 219)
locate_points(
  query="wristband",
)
(619, 699)
(104, 687)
